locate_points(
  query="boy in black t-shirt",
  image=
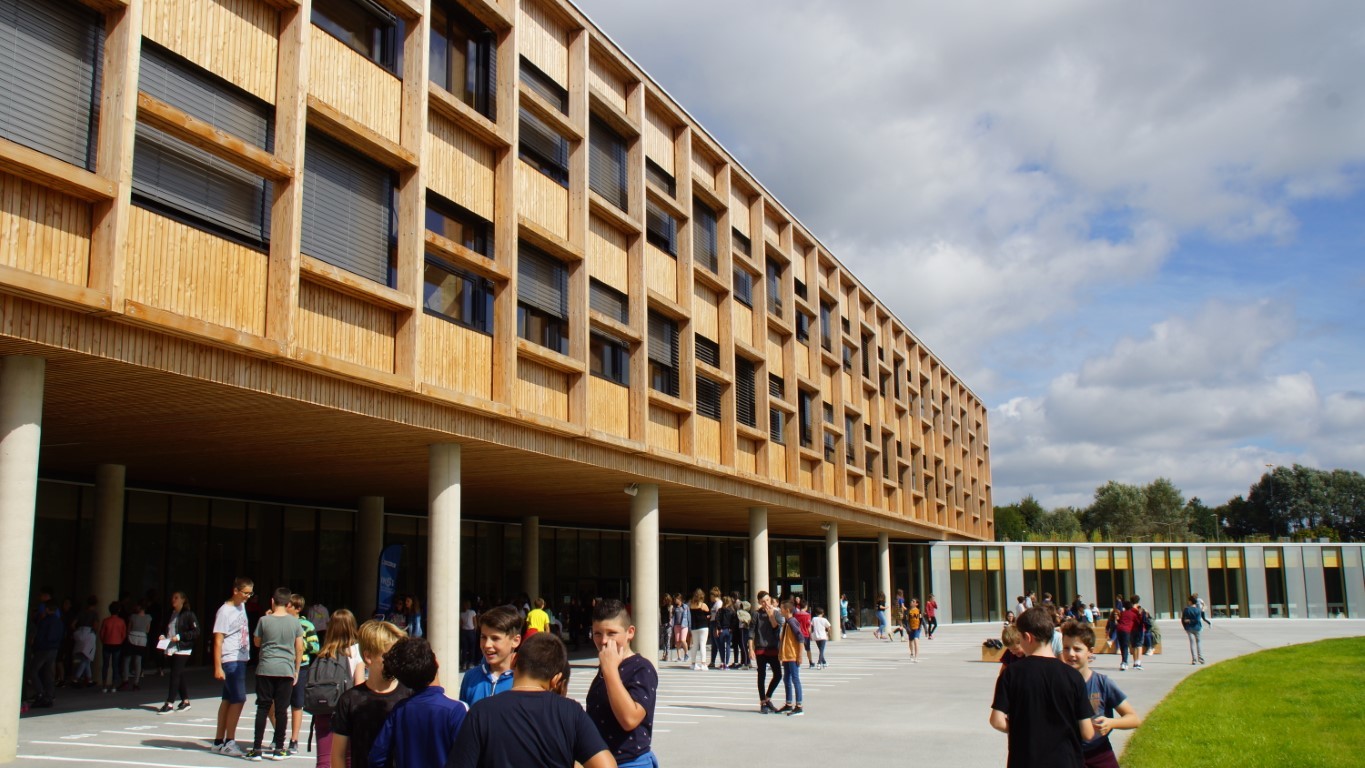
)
(1041, 702)
(621, 698)
(361, 711)
(533, 724)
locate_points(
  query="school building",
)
(284, 281)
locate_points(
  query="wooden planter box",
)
(1114, 649)
(992, 654)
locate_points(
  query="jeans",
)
(791, 678)
(1196, 645)
(1121, 638)
(178, 685)
(40, 671)
(740, 641)
(933, 625)
(764, 661)
(132, 664)
(821, 645)
(723, 643)
(113, 663)
(647, 760)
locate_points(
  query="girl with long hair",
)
(182, 630)
(342, 642)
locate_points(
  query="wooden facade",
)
(79, 250)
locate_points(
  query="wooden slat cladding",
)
(235, 39)
(607, 255)
(544, 41)
(190, 272)
(744, 323)
(777, 462)
(739, 211)
(460, 167)
(661, 272)
(659, 140)
(746, 455)
(802, 359)
(610, 85)
(608, 407)
(775, 365)
(707, 439)
(705, 313)
(772, 230)
(354, 85)
(457, 358)
(43, 231)
(542, 200)
(705, 167)
(344, 327)
(808, 474)
(663, 428)
(542, 390)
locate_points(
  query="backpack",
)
(1146, 621)
(328, 678)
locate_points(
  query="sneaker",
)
(231, 749)
(166, 709)
(1137, 665)
(182, 706)
(278, 754)
(783, 710)
(1201, 659)
(1193, 662)
(1123, 667)
(797, 711)
(253, 754)
(293, 747)
(765, 708)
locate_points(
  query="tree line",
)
(1297, 503)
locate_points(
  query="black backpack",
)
(328, 678)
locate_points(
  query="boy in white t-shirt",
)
(819, 632)
(231, 652)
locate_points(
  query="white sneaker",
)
(1123, 667)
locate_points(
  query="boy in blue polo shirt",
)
(420, 731)
(499, 636)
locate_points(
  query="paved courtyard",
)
(870, 704)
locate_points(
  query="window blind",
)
(166, 77)
(608, 301)
(347, 205)
(607, 164)
(745, 396)
(542, 282)
(704, 236)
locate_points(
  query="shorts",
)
(296, 698)
(234, 682)
(914, 634)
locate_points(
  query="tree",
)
(1009, 524)
(1166, 518)
(1116, 512)
(1203, 520)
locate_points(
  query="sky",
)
(1134, 230)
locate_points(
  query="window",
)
(542, 300)
(826, 312)
(777, 422)
(187, 183)
(543, 148)
(867, 356)
(746, 404)
(663, 354)
(776, 386)
(896, 379)
(364, 26)
(347, 209)
(802, 326)
(608, 301)
(607, 164)
(50, 68)
(708, 398)
(829, 447)
(661, 229)
(544, 85)
(976, 583)
(457, 223)
(464, 57)
(704, 250)
(457, 296)
(656, 174)
(829, 413)
(741, 242)
(848, 358)
(609, 358)
(744, 287)
(708, 351)
(803, 401)
(800, 286)
(850, 427)
(774, 288)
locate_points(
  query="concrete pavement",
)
(870, 704)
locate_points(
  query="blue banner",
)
(388, 577)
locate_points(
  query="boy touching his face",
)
(1106, 700)
(621, 697)
(500, 632)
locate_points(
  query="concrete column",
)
(443, 556)
(106, 556)
(369, 544)
(758, 551)
(884, 571)
(21, 421)
(832, 588)
(644, 569)
(530, 557)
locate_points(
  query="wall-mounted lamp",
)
(825, 527)
(632, 489)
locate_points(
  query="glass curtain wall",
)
(1334, 579)
(1227, 582)
(1050, 571)
(977, 583)
(1113, 575)
(1170, 582)
(1276, 590)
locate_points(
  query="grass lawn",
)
(1303, 705)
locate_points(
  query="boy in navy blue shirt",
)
(421, 730)
(1110, 704)
(621, 697)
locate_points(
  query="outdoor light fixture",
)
(632, 489)
(825, 527)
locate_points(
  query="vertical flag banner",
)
(388, 577)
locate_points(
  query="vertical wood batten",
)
(412, 196)
(505, 214)
(114, 150)
(578, 222)
(286, 213)
(636, 275)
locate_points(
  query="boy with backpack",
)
(1041, 705)
(1106, 700)
(421, 729)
